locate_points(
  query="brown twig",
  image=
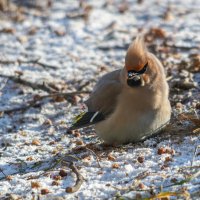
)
(181, 47)
(195, 152)
(107, 48)
(79, 179)
(44, 65)
(65, 94)
(97, 157)
(22, 108)
(35, 103)
(84, 85)
(29, 84)
(3, 172)
(7, 62)
(35, 61)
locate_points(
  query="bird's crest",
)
(136, 56)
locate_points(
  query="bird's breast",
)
(133, 118)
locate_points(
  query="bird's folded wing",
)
(106, 91)
(87, 119)
(102, 101)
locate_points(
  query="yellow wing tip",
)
(78, 117)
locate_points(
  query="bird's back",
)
(105, 93)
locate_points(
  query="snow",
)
(80, 55)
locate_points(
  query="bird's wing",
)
(86, 119)
(102, 101)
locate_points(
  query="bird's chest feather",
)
(133, 113)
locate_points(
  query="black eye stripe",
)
(142, 71)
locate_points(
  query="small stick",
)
(21, 108)
(27, 83)
(195, 152)
(181, 47)
(79, 179)
(36, 61)
(2, 172)
(65, 94)
(44, 65)
(84, 85)
(36, 103)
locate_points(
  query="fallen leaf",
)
(140, 159)
(35, 185)
(63, 173)
(115, 166)
(69, 190)
(55, 183)
(111, 157)
(8, 30)
(44, 191)
(36, 142)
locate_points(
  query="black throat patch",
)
(134, 78)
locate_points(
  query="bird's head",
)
(136, 63)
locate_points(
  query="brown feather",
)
(136, 56)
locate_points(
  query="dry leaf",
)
(196, 130)
(23, 133)
(189, 117)
(55, 183)
(48, 122)
(141, 186)
(52, 143)
(168, 159)
(9, 178)
(168, 16)
(57, 177)
(44, 191)
(8, 30)
(30, 158)
(140, 159)
(115, 166)
(111, 157)
(77, 134)
(63, 173)
(19, 73)
(79, 142)
(32, 30)
(194, 62)
(36, 142)
(69, 190)
(35, 185)
(59, 32)
(59, 99)
(123, 7)
(161, 151)
(155, 33)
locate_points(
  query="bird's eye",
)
(130, 74)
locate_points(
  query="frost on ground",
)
(50, 58)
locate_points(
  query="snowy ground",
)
(64, 48)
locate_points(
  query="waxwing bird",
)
(129, 104)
